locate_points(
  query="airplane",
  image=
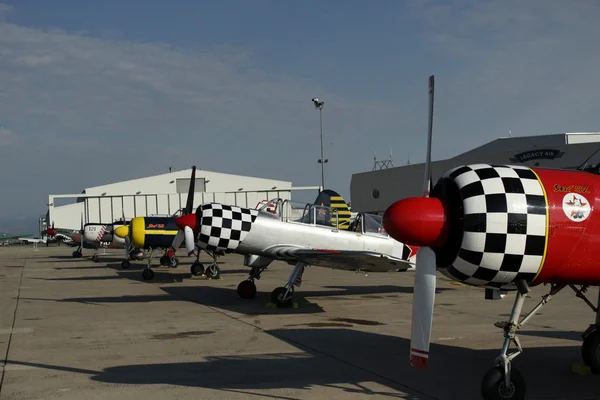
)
(301, 236)
(97, 236)
(505, 228)
(4, 236)
(152, 233)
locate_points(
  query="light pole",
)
(319, 106)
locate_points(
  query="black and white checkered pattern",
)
(505, 219)
(223, 227)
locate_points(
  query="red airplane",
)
(502, 227)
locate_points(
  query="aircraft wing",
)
(14, 236)
(32, 240)
(350, 260)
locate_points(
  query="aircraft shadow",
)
(81, 267)
(552, 334)
(346, 359)
(82, 278)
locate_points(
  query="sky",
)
(98, 92)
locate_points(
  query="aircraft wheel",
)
(164, 260)
(77, 254)
(95, 258)
(246, 289)
(494, 388)
(125, 264)
(197, 268)
(148, 274)
(277, 298)
(590, 351)
(213, 272)
(173, 262)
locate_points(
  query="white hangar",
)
(163, 195)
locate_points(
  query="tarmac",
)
(73, 329)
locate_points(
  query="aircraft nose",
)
(417, 221)
(122, 231)
(186, 220)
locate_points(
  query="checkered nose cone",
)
(503, 226)
(223, 227)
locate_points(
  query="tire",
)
(197, 268)
(246, 289)
(164, 260)
(493, 387)
(590, 351)
(213, 272)
(276, 298)
(148, 274)
(125, 264)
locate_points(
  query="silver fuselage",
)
(269, 231)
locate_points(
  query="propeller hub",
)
(417, 221)
(122, 231)
(186, 220)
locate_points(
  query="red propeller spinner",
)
(51, 231)
(186, 220)
(417, 221)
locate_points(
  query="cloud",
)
(7, 138)
(84, 110)
(5, 10)
(96, 110)
(526, 66)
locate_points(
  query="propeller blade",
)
(190, 199)
(178, 240)
(422, 312)
(427, 175)
(127, 246)
(189, 240)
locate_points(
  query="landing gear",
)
(247, 289)
(197, 268)
(95, 258)
(494, 384)
(147, 272)
(283, 297)
(77, 253)
(590, 350)
(125, 264)
(164, 260)
(504, 381)
(212, 271)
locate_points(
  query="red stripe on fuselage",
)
(573, 244)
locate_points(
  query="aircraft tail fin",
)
(332, 199)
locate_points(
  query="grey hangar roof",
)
(374, 191)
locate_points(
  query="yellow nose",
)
(122, 231)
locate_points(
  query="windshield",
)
(373, 224)
(592, 164)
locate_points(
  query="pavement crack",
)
(12, 327)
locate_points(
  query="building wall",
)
(167, 183)
(393, 184)
(158, 195)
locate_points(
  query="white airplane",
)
(300, 236)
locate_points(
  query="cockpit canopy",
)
(592, 164)
(320, 215)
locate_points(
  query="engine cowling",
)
(490, 225)
(497, 224)
(222, 227)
